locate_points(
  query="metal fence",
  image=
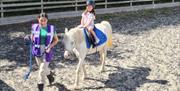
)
(30, 7)
(17, 11)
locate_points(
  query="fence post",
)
(130, 3)
(105, 3)
(42, 6)
(2, 12)
(75, 5)
(153, 3)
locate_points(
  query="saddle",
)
(91, 38)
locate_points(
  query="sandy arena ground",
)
(145, 55)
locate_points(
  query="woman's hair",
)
(44, 15)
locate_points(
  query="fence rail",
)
(16, 11)
(24, 7)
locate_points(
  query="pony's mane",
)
(77, 34)
(74, 30)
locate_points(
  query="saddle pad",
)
(100, 35)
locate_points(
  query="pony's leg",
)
(84, 72)
(102, 59)
(79, 66)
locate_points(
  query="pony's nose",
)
(66, 54)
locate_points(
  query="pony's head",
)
(68, 40)
(72, 39)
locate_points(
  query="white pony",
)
(74, 41)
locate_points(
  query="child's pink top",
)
(88, 17)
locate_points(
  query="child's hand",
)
(80, 26)
(84, 26)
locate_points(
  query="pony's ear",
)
(66, 30)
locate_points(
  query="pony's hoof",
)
(72, 87)
(84, 78)
(102, 70)
(75, 87)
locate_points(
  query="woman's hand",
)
(55, 40)
(48, 50)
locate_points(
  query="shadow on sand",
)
(127, 79)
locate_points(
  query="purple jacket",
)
(36, 43)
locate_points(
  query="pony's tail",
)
(109, 32)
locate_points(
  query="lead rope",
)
(30, 60)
